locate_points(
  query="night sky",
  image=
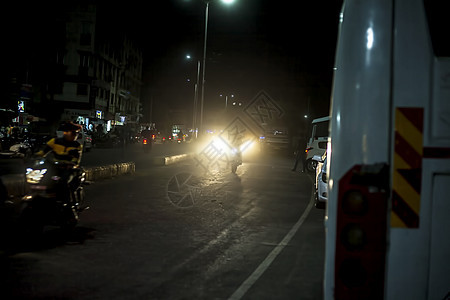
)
(286, 48)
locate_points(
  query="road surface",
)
(182, 232)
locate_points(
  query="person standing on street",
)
(299, 154)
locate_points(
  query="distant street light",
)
(204, 59)
(226, 99)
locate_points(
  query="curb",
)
(168, 160)
(109, 171)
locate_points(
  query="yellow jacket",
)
(64, 151)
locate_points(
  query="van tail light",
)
(363, 194)
(307, 149)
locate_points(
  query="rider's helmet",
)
(70, 130)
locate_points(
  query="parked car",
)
(317, 143)
(86, 140)
(321, 182)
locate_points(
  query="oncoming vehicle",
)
(389, 166)
(317, 143)
(321, 182)
(275, 140)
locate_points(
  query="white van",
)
(387, 215)
(317, 143)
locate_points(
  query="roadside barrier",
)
(15, 183)
(109, 171)
(168, 160)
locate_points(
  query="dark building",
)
(73, 61)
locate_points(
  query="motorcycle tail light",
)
(144, 141)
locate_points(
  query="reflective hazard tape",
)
(407, 177)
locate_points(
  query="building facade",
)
(72, 62)
(102, 71)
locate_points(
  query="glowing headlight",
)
(35, 176)
(219, 144)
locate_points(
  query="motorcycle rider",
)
(67, 152)
(236, 144)
(66, 149)
(146, 133)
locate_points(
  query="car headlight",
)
(35, 176)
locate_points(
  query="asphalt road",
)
(182, 232)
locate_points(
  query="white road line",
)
(248, 283)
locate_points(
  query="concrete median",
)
(109, 171)
(168, 160)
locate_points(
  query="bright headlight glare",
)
(35, 176)
(219, 144)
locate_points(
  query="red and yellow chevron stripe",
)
(407, 176)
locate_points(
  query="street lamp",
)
(226, 99)
(204, 59)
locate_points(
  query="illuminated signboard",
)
(21, 106)
(99, 114)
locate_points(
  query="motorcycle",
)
(17, 148)
(235, 160)
(55, 196)
(147, 144)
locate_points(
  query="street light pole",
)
(204, 68)
(226, 99)
(204, 61)
(194, 116)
